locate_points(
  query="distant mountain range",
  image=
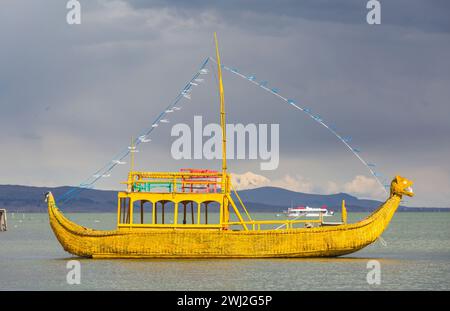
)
(265, 199)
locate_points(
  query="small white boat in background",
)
(307, 211)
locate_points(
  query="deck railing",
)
(288, 224)
(182, 182)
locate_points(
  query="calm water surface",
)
(416, 257)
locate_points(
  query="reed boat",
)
(196, 213)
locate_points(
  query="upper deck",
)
(169, 192)
(193, 181)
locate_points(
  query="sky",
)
(72, 96)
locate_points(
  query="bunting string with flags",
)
(317, 118)
(118, 159)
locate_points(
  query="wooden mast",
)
(225, 186)
(222, 112)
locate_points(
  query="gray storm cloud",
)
(72, 96)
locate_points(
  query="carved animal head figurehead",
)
(401, 186)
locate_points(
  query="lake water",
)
(416, 257)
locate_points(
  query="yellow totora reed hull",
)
(328, 241)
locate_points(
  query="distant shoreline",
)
(28, 199)
(67, 211)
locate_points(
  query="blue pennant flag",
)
(275, 90)
(263, 83)
(371, 164)
(291, 101)
(356, 150)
